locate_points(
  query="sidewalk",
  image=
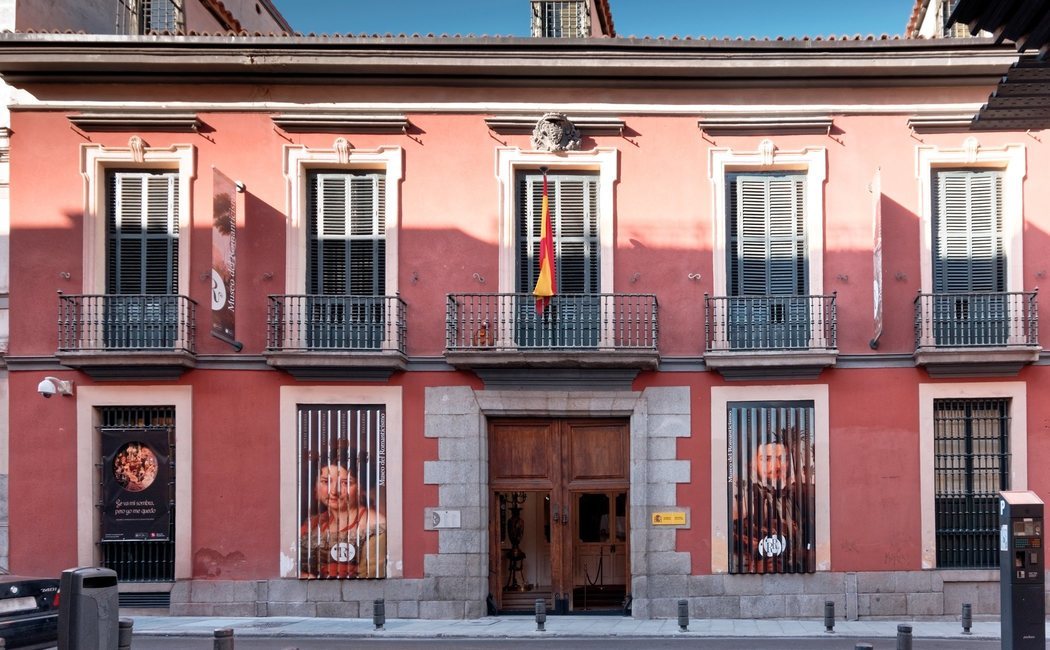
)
(497, 627)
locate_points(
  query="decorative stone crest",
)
(554, 132)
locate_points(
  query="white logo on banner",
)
(343, 552)
(772, 545)
(1004, 538)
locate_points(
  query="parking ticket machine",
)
(1022, 572)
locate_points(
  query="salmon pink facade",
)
(792, 356)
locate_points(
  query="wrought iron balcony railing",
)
(316, 323)
(127, 323)
(508, 321)
(977, 320)
(757, 323)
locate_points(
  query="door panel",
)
(559, 503)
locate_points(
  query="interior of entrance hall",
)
(560, 527)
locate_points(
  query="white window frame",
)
(721, 396)
(95, 161)
(1016, 392)
(89, 446)
(767, 158)
(299, 161)
(1010, 160)
(290, 398)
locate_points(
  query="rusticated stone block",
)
(766, 606)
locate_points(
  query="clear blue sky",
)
(711, 18)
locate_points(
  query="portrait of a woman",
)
(346, 538)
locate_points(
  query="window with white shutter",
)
(969, 257)
(142, 253)
(346, 258)
(766, 260)
(573, 318)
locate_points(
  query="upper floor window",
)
(968, 252)
(347, 230)
(767, 238)
(560, 18)
(142, 232)
(149, 16)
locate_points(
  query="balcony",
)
(976, 334)
(336, 337)
(770, 337)
(576, 332)
(127, 336)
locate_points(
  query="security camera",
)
(46, 389)
(52, 385)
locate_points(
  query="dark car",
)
(28, 611)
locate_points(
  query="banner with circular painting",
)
(136, 485)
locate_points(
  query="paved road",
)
(823, 643)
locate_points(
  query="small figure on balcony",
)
(484, 337)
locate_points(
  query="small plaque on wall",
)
(440, 519)
(668, 518)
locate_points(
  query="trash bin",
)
(88, 609)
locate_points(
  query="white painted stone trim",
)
(290, 399)
(298, 161)
(1010, 159)
(95, 159)
(510, 160)
(89, 399)
(720, 398)
(1016, 392)
(811, 160)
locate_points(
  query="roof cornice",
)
(63, 58)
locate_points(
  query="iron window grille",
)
(971, 467)
(772, 487)
(560, 18)
(142, 561)
(135, 17)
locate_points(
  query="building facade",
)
(787, 356)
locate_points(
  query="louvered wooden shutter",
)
(767, 242)
(142, 233)
(347, 247)
(573, 200)
(968, 247)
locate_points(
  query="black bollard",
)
(124, 633)
(829, 616)
(903, 637)
(379, 613)
(223, 639)
(541, 614)
(683, 615)
(967, 618)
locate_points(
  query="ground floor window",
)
(971, 466)
(137, 482)
(342, 491)
(772, 487)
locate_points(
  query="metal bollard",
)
(379, 613)
(903, 637)
(541, 614)
(124, 626)
(864, 646)
(683, 615)
(223, 639)
(829, 616)
(967, 618)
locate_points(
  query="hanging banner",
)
(342, 492)
(224, 258)
(876, 208)
(136, 477)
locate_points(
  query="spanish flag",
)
(547, 281)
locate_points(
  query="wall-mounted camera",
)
(54, 386)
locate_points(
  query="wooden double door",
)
(560, 525)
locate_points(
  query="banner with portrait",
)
(772, 486)
(342, 491)
(136, 485)
(224, 258)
